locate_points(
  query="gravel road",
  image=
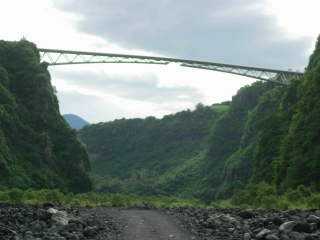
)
(150, 225)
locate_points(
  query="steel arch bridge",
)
(55, 57)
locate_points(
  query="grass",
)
(92, 199)
(293, 199)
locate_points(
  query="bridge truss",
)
(65, 57)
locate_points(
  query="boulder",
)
(287, 226)
(59, 217)
(264, 232)
(303, 227)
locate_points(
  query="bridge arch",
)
(56, 57)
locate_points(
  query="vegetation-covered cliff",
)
(274, 145)
(37, 147)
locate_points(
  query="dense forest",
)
(151, 155)
(267, 137)
(37, 147)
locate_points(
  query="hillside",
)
(75, 121)
(147, 155)
(266, 138)
(37, 147)
(273, 147)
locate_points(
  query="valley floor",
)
(50, 222)
(150, 225)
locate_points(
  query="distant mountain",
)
(75, 121)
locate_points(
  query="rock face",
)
(235, 224)
(35, 223)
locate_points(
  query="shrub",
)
(15, 195)
(54, 196)
(269, 202)
(4, 197)
(314, 201)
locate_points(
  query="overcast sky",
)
(265, 33)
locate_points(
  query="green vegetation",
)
(258, 196)
(151, 156)
(266, 140)
(264, 195)
(91, 199)
(262, 149)
(37, 148)
(271, 135)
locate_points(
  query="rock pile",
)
(41, 223)
(229, 224)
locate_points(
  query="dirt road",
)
(150, 225)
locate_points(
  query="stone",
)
(287, 226)
(313, 219)
(313, 226)
(263, 233)
(246, 214)
(277, 220)
(296, 236)
(48, 205)
(246, 236)
(90, 231)
(59, 217)
(272, 237)
(302, 227)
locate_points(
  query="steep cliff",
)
(37, 147)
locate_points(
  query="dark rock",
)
(246, 214)
(48, 205)
(302, 227)
(296, 236)
(277, 220)
(313, 219)
(90, 231)
(246, 236)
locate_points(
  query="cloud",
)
(146, 87)
(233, 31)
(90, 107)
(108, 107)
(138, 93)
(99, 96)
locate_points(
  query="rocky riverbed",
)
(229, 224)
(50, 222)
